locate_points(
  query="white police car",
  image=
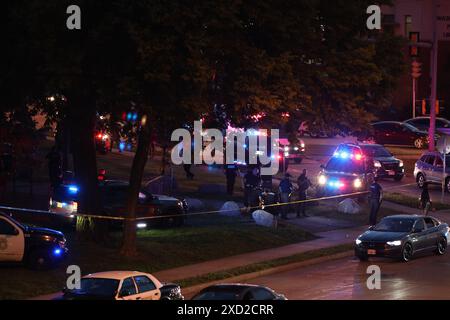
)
(39, 248)
(123, 285)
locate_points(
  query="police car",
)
(347, 171)
(39, 248)
(113, 197)
(123, 285)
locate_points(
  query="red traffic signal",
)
(416, 69)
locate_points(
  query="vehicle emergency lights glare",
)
(57, 252)
(322, 180)
(336, 184)
(357, 183)
(73, 189)
(346, 155)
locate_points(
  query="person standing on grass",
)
(285, 189)
(251, 181)
(303, 185)
(230, 174)
(375, 197)
(425, 200)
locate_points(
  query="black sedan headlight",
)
(394, 243)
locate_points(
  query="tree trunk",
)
(137, 171)
(82, 120)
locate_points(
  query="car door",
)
(12, 241)
(436, 169)
(128, 290)
(427, 168)
(146, 288)
(419, 236)
(432, 232)
(383, 133)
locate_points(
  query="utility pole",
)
(434, 55)
(416, 69)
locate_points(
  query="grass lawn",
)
(412, 202)
(202, 239)
(330, 210)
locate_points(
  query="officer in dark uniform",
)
(375, 197)
(251, 181)
(303, 185)
(230, 174)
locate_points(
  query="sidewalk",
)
(325, 240)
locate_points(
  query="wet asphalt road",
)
(426, 277)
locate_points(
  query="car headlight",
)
(395, 243)
(358, 242)
(286, 149)
(296, 148)
(286, 154)
(377, 164)
(357, 183)
(302, 145)
(400, 164)
(322, 180)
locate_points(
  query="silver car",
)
(430, 168)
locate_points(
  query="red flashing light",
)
(99, 136)
(279, 156)
(358, 156)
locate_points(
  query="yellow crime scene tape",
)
(202, 212)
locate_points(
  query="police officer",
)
(285, 189)
(375, 197)
(230, 174)
(303, 185)
(251, 181)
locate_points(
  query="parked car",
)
(238, 291)
(38, 248)
(403, 237)
(347, 171)
(384, 163)
(295, 152)
(430, 168)
(113, 197)
(398, 133)
(123, 285)
(423, 123)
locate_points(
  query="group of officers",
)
(258, 190)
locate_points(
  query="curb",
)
(189, 291)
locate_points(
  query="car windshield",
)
(345, 165)
(376, 151)
(97, 287)
(395, 225)
(216, 295)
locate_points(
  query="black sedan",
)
(403, 237)
(238, 292)
(385, 165)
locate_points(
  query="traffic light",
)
(416, 69)
(413, 49)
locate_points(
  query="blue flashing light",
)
(129, 146)
(122, 146)
(73, 189)
(57, 252)
(129, 116)
(344, 155)
(134, 116)
(245, 146)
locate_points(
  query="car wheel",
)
(407, 252)
(398, 178)
(418, 143)
(441, 246)
(420, 180)
(39, 260)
